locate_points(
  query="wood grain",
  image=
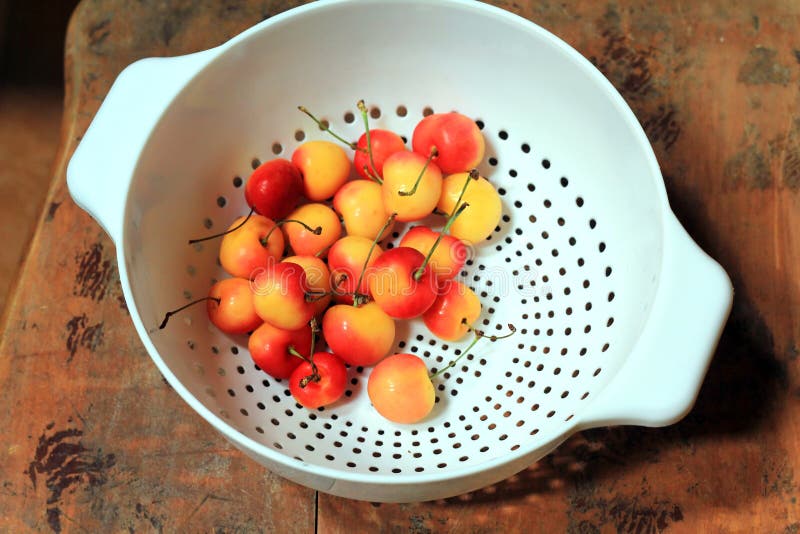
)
(95, 440)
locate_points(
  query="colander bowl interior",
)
(573, 265)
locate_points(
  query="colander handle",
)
(100, 170)
(660, 380)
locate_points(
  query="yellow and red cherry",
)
(269, 347)
(483, 213)
(400, 389)
(456, 137)
(318, 280)
(453, 312)
(401, 284)
(412, 185)
(360, 204)
(449, 255)
(319, 381)
(230, 306)
(303, 238)
(382, 143)
(349, 258)
(251, 246)
(281, 296)
(360, 335)
(274, 189)
(325, 168)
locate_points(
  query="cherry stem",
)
(291, 350)
(357, 298)
(193, 241)
(314, 376)
(478, 336)
(314, 296)
(325, 128)
(419, 272)
(473, 174)
(433, 154)
(265, 239)
(173, 312)
(363, 109)
(373, 177)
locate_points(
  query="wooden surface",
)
(94, 440)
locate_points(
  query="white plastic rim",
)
(612, 282)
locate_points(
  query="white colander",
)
(617, 310)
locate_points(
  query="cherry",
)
(457, 138)
(274, 188)
(360, 204)
(229, 305)
(281, 295)
(325, 168)
(318, 381)
(453, 312)
(401, 285)
(318, 280)
(383, 144)
(269, 347)
(448, 257)
(412, 185)
(304, 238)
(249, 244)
(360, 335)
(400, 389)
(484, 211)
(349, 258)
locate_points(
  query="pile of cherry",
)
(348, 283)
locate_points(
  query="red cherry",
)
(384, 143)
(274, 188)
(269, 348)
(400, 285)
(321, 383)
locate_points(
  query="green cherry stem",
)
(419, 272)
(433, 154)
(473, 174)
(478, 336)
(357, 298)
(264, 240)
(173, 312)
(362, 107)
(325, 128)
(193, 241)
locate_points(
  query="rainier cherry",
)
(274, 188)
(319, 381)
(483, 213)
(400, 284)
(453, 312)
(251, 246)
(457, 138)
(411, 186)
(449, 256)
(280, 296)
(269, 348)
(360, 335)
(325, 167)
(349, 258)
(318, 280)
(230, 306)
(361, 206)
(400, 389)
(383, 143)
(306, 242)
